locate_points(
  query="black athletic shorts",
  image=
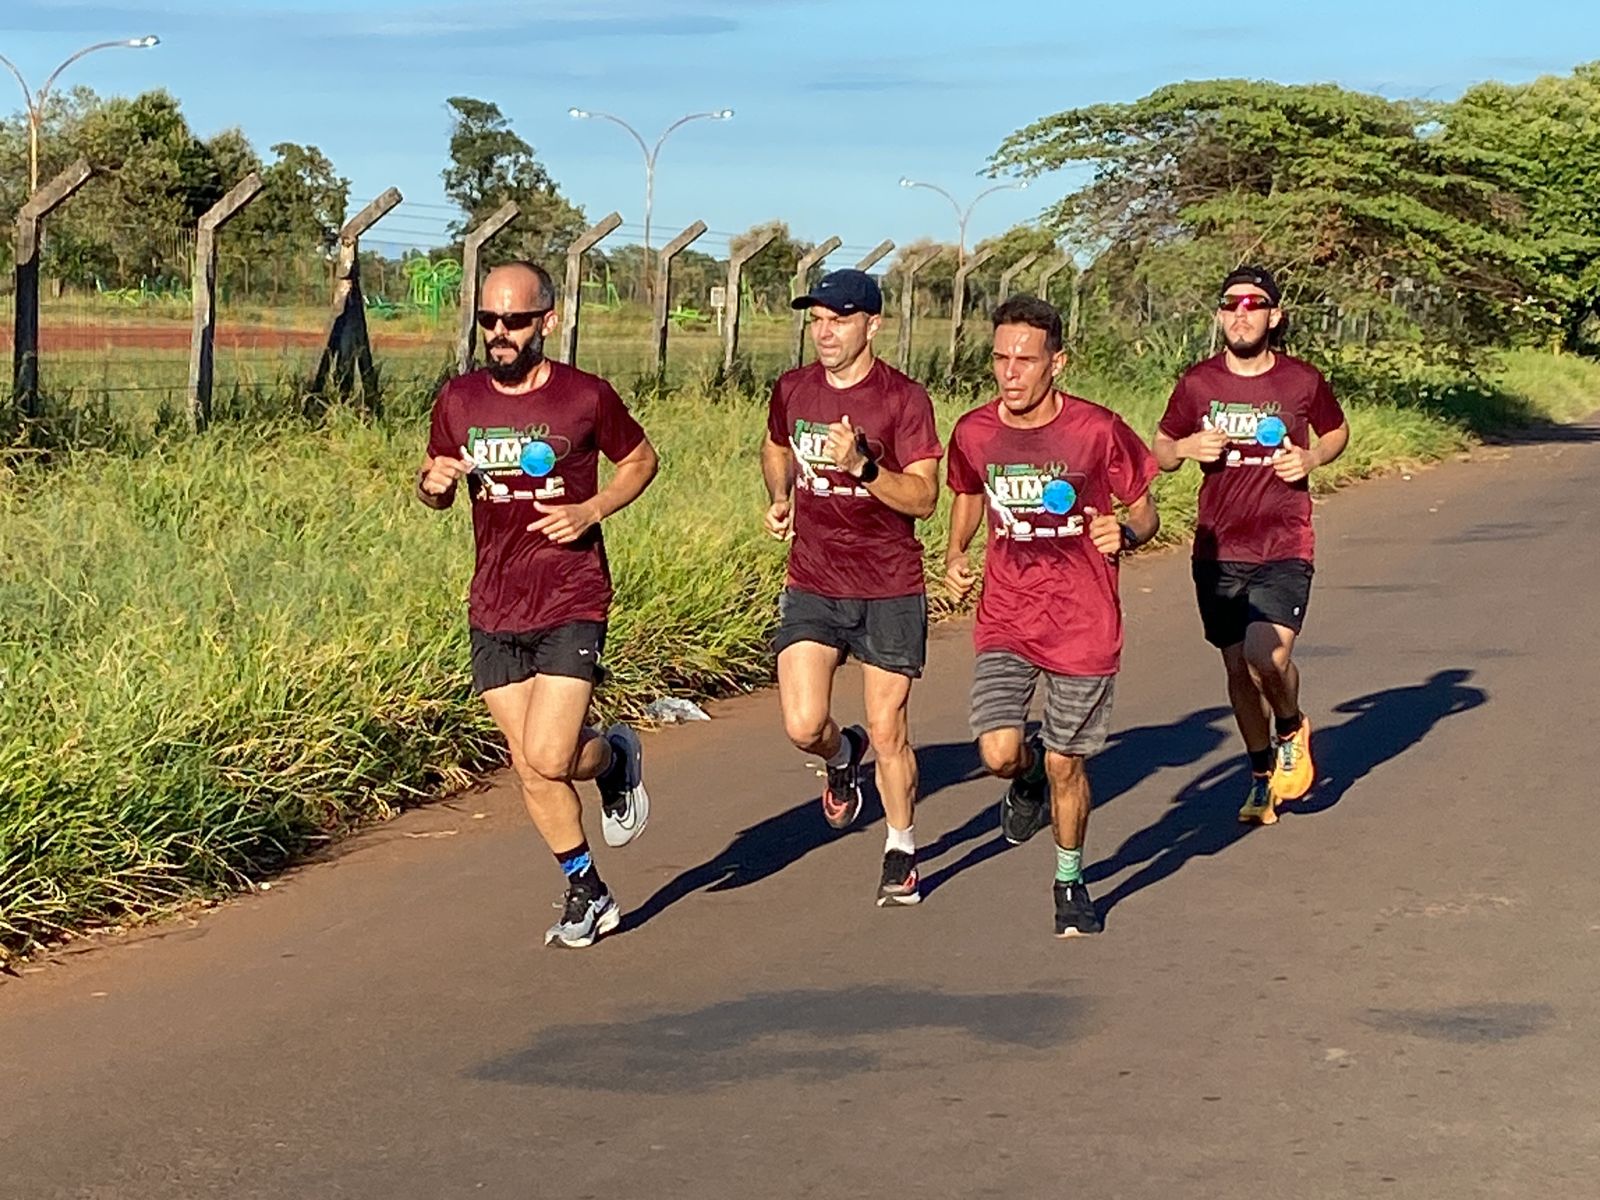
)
(889, 634)
(1235, 595)
(573, 650)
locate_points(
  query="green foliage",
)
(490, 165)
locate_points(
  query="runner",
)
(861, 437)
(527, 434)
(1246, 416)
(1047, 468)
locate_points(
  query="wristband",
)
(1130, 539)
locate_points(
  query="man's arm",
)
(777, 471)
(436, 482)
(1204, 447)
(1293, 463)
(564, 523)
(966, 514)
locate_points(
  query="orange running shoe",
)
(1260, 805)
(1293, 772)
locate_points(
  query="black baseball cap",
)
(1256, 277)
(848, 291)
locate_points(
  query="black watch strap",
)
(870, 471)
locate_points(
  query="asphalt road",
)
(1391, 993)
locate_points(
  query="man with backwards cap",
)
(1247, 416)
(850, 462)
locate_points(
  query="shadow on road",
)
(1203, 818)
(1131, 756)
(770, 846)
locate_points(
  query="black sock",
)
(578, 866)
(1261, 761)
(1287, 726)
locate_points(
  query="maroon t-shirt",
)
(848, 544)
(1248, 514)
(524, 581)
(1048, 594)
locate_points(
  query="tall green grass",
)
(218, 653)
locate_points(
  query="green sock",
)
(1069, 865)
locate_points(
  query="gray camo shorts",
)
(1077, 708)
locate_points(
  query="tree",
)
(769, 274)
(489, 165)
(1346, 195)
(1541, 142)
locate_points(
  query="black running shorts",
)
(572, 650)
(889, 634)
(1236, 595)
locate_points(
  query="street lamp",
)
(36, 104)
(721, 114)
(962, 215)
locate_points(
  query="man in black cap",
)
(1247, 416)
(850, 462)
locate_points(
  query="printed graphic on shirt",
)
(1032, 501)
(516, 464)
(1258, 433)
(817, 470)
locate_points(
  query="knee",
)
(1002, 754)
(889, 735)
(804, 730)
(1063, 770)
(543, 767)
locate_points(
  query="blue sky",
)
(835, 99)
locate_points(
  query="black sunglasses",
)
(513, 321)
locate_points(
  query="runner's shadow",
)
(764, 849)
(1130, 757)
(1203, 819)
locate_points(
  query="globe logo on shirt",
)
(1059, 497)
(1270, 431)
(538, 459)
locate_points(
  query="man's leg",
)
(805, 694)
(1002, 691)
(1254, 716)
(1268, 650)
(542, 719)
(1077, 721)
(888, 699)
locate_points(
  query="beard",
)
(1249, 347)
(519, 368)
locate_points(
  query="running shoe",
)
(1025, 807)
(624, 804)
(585, 918)
(1075, 914)
(1293, 772)
(1260, 805)
(841, 799)
(899, 885)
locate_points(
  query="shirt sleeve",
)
(1325, 413)
(778, 417)
(616, 433)
(1132, 464)
(961, 473)
(916, 434)
(444, 439)
(1179, 420)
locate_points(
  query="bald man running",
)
(526, 433)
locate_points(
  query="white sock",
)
(903, 840)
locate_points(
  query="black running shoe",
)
(1075, 914)
(841, 799)
(899, 885)
(1025, 808)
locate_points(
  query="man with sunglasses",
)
(527, 434)
(1246, 416)
(851, 462)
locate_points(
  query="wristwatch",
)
(870, 471)
(1130, 539)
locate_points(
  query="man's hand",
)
(440, 474)
(1293, 463)
(780, 520)
(1105, 532)
(844, 447)
(958, 575)
(1204, 447)
(563, 523)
